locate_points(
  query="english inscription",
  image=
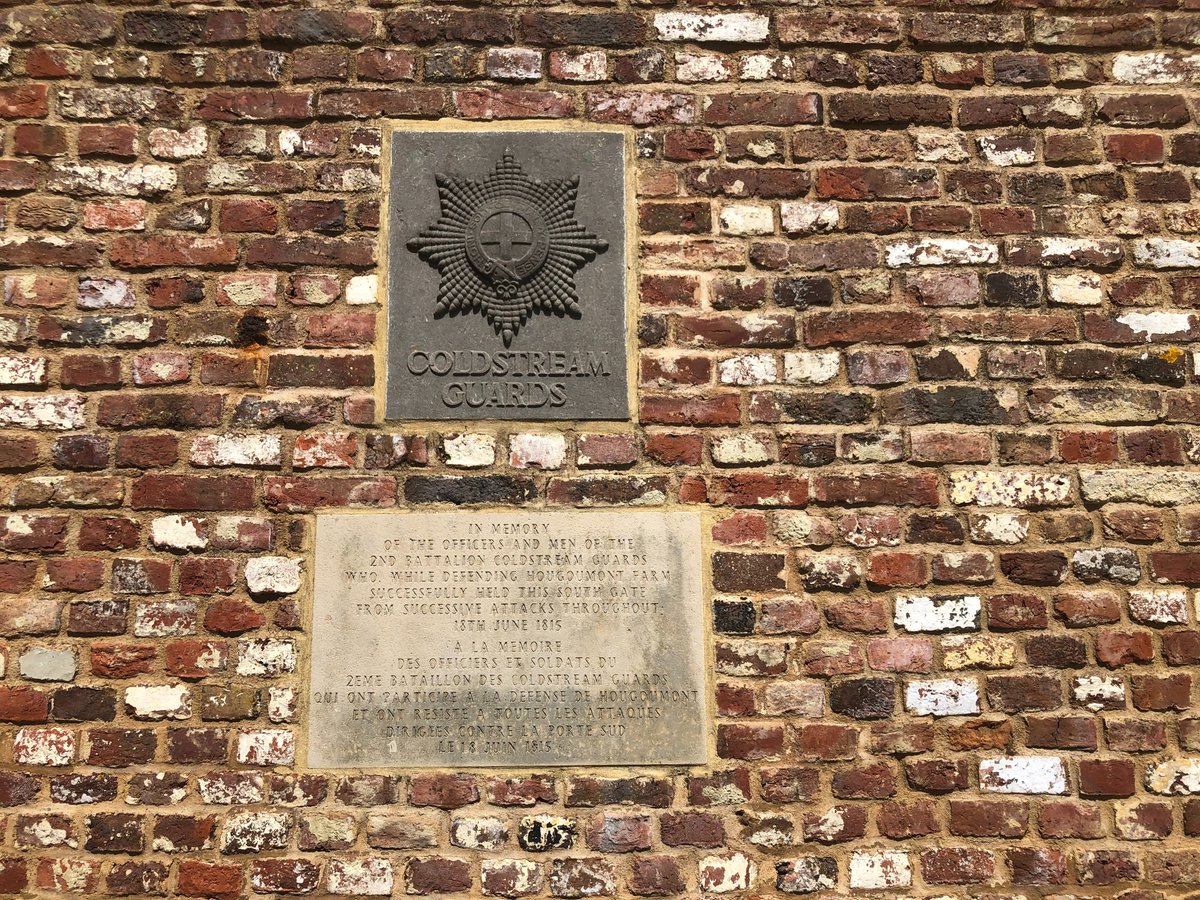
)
(507, 639)
(506, 276)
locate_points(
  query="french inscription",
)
(507, 639)
(506, 276)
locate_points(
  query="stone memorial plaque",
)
(507, 639)
(506, 275)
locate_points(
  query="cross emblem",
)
(504, 233)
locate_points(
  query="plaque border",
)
(707, 517)
(630, 249)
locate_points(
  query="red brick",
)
(202, 879)
(27, 101)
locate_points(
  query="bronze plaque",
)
(506, 275)
(559, 638)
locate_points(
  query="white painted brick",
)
(1123, 568)
(749, 369)
(726, 873)
(116, 329)
(739, 28)
(164, 618)
(1156, 68)
(236, 450)
(178, 533)
(1097, 692)
(273, 575)
(368, 876)
(111, 179)
(514, 64)
(999, 528)
(942, 697)
(752, 656)
(23, 371)
(644, 107)
(1009, 488)
(580, 66)
(881, 446)
(695, 68)
(253, 832)
(1063, 251)
(44, 747)
(156, 367)
(482, 833)
(269, 747)
(941, 146)
(747, 219)
(324, 449)
(878, 870)
(242, 532)
(1159, 323)
(808, 217)
(159, 701)
(942, 252)
(55, 412)
(978, 651)
(811, 366)
(741, 449)
(766, 67)
(330, 829)
(45, 831)
(73, 876)
(220, 789)
(1075, 289)
(469, 451)
(266, 656)
(362, 290)
(994, 151)
(281, 704)
(801, 528)
(1161, 253)
(807, 874)
(255, 289)
(1065, 105)
(1155, 606)
(1175, 776)
(537, 451)
(168, 143)
(919, 613)
(1023, 775)
(1160, 487)
(293, 142)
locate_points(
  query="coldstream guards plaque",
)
(524, 638)
(506, 275)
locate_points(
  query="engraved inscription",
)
(507, 247)
(550, 638)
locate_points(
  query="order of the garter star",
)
(507, 247)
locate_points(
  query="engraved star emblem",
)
(507, 247)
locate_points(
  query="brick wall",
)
(916, 314)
